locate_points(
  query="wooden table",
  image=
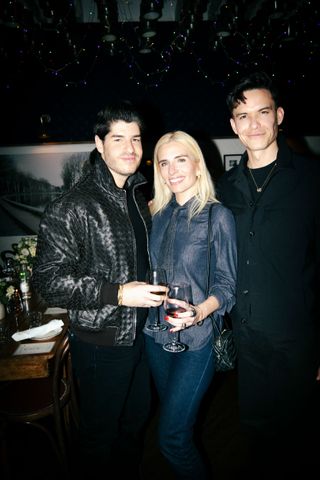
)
(19, 367)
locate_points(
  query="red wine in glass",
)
(183, 292)
(174, 309)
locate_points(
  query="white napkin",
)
(43, 330)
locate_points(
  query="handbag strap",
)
(217, 329)
(209, 247)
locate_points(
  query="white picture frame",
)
(231, 160)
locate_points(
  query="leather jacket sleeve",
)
(61, 272)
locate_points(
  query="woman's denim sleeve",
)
(223, 259)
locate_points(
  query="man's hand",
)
(141, 294)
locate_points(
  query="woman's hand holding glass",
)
(182, 319)
(177, 307)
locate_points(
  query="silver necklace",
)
(259, 189)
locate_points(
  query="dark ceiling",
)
(57, 53)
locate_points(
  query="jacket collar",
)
(237, 175)
(103, 177)
(284, 156)
(284, 160)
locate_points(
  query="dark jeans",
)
(114, 400)
(181, 380)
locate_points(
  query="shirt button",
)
(245, 292)
(243, 320)
(248, 262)
(251, 204)
(251, 234)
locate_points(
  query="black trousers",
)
(114, 400)
(278, 396)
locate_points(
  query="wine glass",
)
(15, 307)
(157, 276)
(181, 291)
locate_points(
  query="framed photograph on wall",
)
(231, 160)
(33, 176)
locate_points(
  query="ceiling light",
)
(225, 20)
(108, 35)
(108, 16)
(151, 11)
(146, 46)
(223, 29)
(148, 29)
(276, 11)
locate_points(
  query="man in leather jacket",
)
(92, 259)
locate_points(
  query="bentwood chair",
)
(43, 404)
(5, 255)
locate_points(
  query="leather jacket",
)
(86, 247)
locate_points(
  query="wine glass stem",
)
(176, 337)
(158, 317)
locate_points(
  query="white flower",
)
(25, 252)
(26, 249)
(10, 292)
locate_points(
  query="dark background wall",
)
(183, 100)
(181, 85)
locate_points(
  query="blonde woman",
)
(183, 195)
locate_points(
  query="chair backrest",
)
(5, 254)
(30, 401)
(61, 386)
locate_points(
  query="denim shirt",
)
(185, 259)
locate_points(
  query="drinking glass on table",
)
(181, 291)
(157, 276)
(34, 319)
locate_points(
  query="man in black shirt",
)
(274, 195)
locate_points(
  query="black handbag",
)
(222, 336)
(223, 346)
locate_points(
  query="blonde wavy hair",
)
(205, 191)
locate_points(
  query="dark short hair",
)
(122, 110)
(256, 80)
